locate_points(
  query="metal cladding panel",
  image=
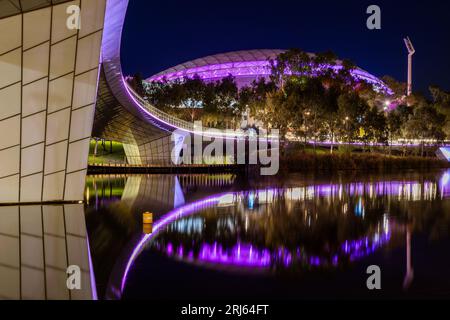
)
(48, 84)
(14, 7)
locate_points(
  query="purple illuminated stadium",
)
(245, 66)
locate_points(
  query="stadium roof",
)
(246, 66)
(223, 58)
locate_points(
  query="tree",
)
(398, 88)
(225, 101)
(255, 98)
(441, 101)
(351, 109)
(192, 99)
(293, 63)
(396, 121)
(312, 105)
(374, 127)
(425, 123)
(330, 115)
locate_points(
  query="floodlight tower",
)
(411, 52)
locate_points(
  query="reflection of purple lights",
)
(169, 249)
(363, 247)
(248, 255)
(240, 255)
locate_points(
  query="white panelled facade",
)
(48, 89)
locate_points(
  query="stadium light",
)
(411, 52)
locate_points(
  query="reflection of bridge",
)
(162, 192)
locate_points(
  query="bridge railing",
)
(161, 115)
(177, 123)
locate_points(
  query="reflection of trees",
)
(318, 227)
(428, 217)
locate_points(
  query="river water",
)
(307, 237)
(231, 237)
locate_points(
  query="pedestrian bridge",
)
(122, 115)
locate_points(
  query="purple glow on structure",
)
(219, 71)
(257, 69)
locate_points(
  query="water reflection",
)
(296, 225)
(271, 229)
(37, 244)
(164, 192)
(268, 228)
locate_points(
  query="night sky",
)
(160, 34)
